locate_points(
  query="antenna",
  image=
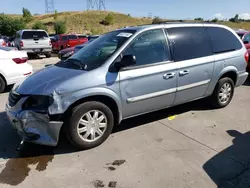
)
(96, 5)
(49, 6)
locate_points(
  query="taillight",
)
(247, 57)
(50, 43)
(4, 43)
(21, 43)
(20, 60)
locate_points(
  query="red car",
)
(63, 41)
(245, 36)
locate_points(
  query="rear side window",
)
(189, 43)
(72, 37)
(34, 35)
(223, 40)
(65, 38)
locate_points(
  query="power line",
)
(49, 6)
(96, 5)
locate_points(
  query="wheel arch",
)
(105, 99)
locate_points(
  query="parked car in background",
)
(66, 41)
(125, 73)
(93, 37)
(68, 52)
(245, 37)
(11, 42)
(36, 42)
(2, 41)
(14, 67)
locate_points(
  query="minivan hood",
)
(45, 81)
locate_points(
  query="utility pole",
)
(96, 5)
(49, 6)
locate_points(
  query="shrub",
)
(27, 16)
(60, 27)
(9, 26)
(39, 25)
(215, 20)
(108, 20)
(198, 19)
(157, 20)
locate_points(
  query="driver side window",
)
(149, 47)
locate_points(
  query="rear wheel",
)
(48, 55)
(223, 93)
(2, 85)
(90, 125)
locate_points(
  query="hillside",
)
(88, 22)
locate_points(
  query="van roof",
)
(173, 24)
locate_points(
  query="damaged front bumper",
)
(32, 126)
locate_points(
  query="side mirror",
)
(246, 42)
(126, 61)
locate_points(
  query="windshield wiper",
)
(77, 62)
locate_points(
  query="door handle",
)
(169, 75)
(184, 72)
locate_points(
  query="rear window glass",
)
(223, 40)
(72, 37)
(34, 34)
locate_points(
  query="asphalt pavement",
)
(186, 146)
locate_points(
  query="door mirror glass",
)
(127, 60)
(246, 42)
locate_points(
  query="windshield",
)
(98, 51)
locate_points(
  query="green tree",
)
(108, 20)
(39, 25)
(157, 20)
(198, 19)
(9, 26)
(27, 16)
(215, 20)
(235, 19)
(60, 27)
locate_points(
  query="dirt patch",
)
(98, 183)
(16, 170)
(112, 184)
(159, 140)
(111, 168)
(118, 162)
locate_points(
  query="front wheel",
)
(90, 125)
(223, 93)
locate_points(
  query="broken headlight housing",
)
(38, 103)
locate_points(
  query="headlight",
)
(38, 103)
(68, 54)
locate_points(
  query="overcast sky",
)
(171, 9)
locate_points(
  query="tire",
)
(78, 113)
(2, 85)
(48, 55)
(216, 99)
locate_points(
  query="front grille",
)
(14, 98)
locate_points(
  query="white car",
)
(14, 67)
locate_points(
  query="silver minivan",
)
(126, 73)
(33, 41)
